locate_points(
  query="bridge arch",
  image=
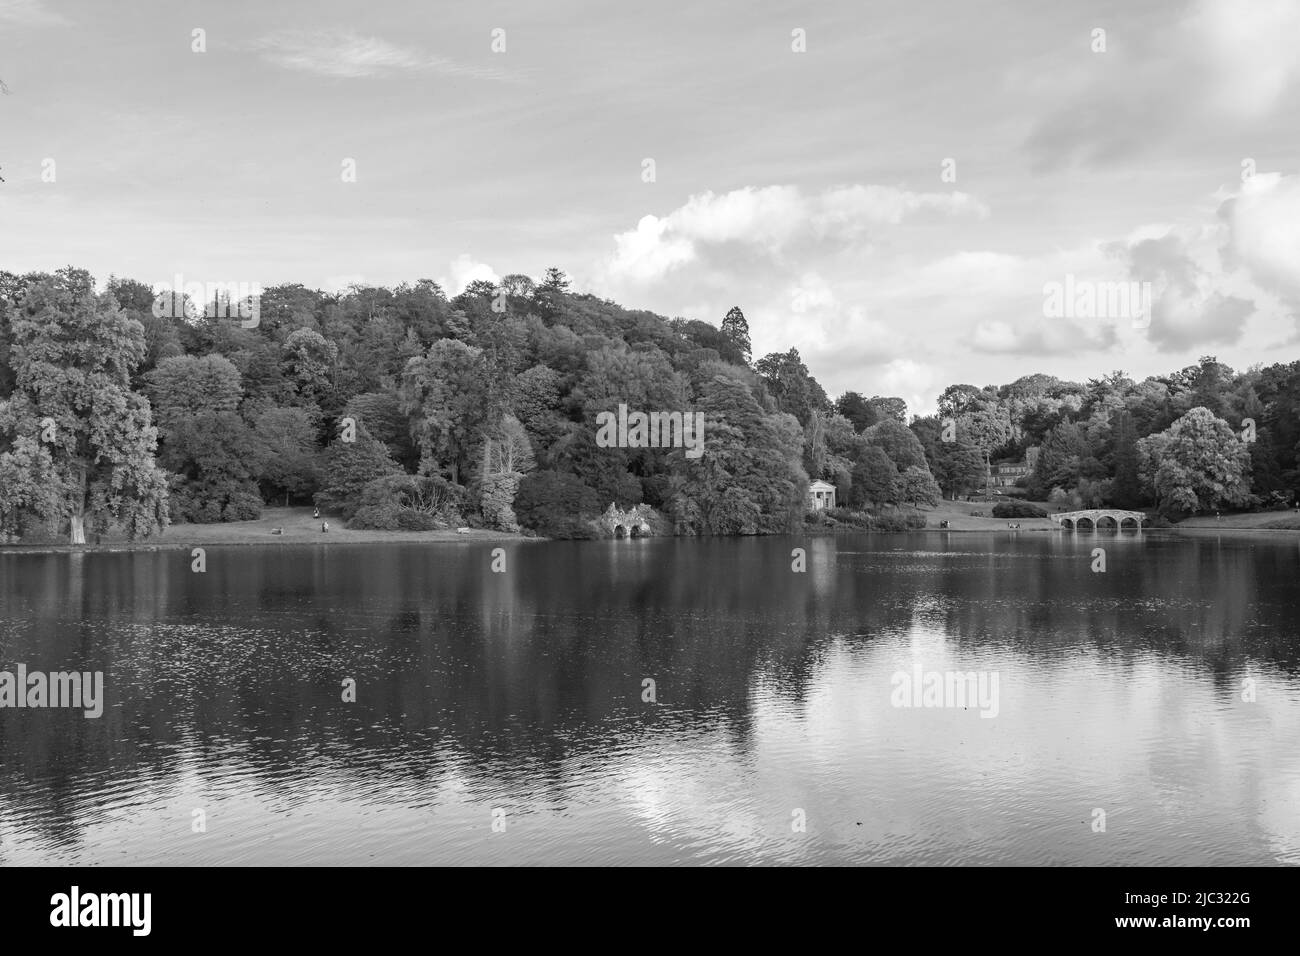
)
(1095, 519)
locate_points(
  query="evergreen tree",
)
(791, 384)
(349, 467)
(1126, 491)
(735, 328)
(555, 281)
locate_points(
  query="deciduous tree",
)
(73, 355)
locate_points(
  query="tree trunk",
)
(77, 521)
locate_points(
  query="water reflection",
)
(523, 691)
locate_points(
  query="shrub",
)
(554, 503)
(895, 522)
(242, 505)
(497, 499)
(1065, 500)
(576, 529)
(409, 503)
(847, 516)
(408, 520)
(1018, 509)
(819, 519)
(350, 468)
(845, 519)
(214, 500)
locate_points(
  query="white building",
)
(821, 495)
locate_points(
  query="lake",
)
(1147, 714)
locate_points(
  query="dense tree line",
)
(1203, 438)
(395, 408)
(404, 408)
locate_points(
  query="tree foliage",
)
(252, 415)
(73, 354)
(1197, 464)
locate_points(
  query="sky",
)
(890, 187)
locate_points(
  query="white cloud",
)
(769, 220)
(846, 212)
(914, 382)
(1250, 49)
(1264, 225)
(1222, 66)
(1194, 301)
(33, 13)
(349, 55)
(465, 270)
(811, 294)
(646, 253)
(996, 336)
(341, 283)
(1045, 336)
(840, 340)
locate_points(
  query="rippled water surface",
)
(523, 692)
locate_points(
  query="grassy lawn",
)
(299, 528)
(1256, 521)
(958, 515)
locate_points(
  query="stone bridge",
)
(1094, 517)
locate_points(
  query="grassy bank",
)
(299, 528)
(958, 514)
(1255, 521)
(959, 518)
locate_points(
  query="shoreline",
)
(480, 535)
(300, 528)
(407, 537)
(298, 525)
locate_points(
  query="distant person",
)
(324, 526)
(315, 513)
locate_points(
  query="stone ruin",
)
(633, 523)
